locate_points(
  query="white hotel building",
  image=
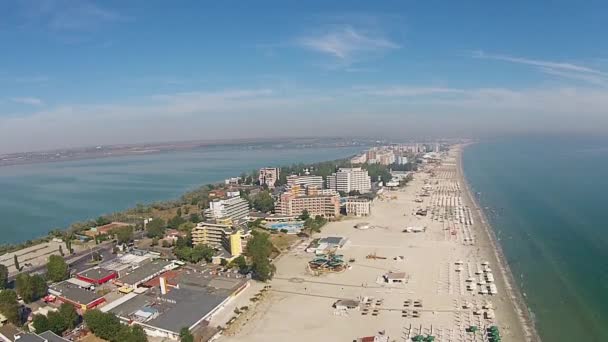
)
(350, 179)
(235, 208)
(305, 181)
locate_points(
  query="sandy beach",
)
(453, 276)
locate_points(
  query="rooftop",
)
(332, 240)
(189, 306)
(51, 337)
(144, 271)
(395, 275)
(74, 293)
(9, 331)
(96, 273)
(29, 337)
(80, 283)
(197, 295)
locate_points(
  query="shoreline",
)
(334, 153)
(514, 292)
(437, 266)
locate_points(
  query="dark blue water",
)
(37, 198)
(547, 200)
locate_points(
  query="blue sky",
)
(76, 73)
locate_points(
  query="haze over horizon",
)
(81, 73)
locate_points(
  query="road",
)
(79, 262)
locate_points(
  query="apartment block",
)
(305, 181)
(219, 235)
(323, 205)
(350, 179)
(358, 207)
(268, 176)
(234, 208)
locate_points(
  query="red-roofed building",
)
(97, 275)
(170, 278)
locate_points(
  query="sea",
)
(547, 200)
(36, 198)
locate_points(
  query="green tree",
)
(41, 323)
(23, 287)
(255, 224)
(241, 263)
(182, 242)
(56, 323)
(57, 269)
(175, 222)
(185, 335)
(16, 262)
(259, 249)
(69, 315)
(186, 227)
(201, 252)
(103, 325)
(124, 234)
(195, 218)
(102, 221)
(67, 239)
(183, 253)
(263, 202)
(9, 307)
(133, 333)
(39, 286)
(3, 277)
(305, 215)
(30, 288)
(155, 228)
(263, 269)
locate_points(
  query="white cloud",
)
(560, 69)
(596, 79)
(82, 15)
(346, 42)
(577, 103)
(32, 101)
(66, 15)
(269, 112)
(406, 91)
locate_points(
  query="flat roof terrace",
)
(145, 272)
(197, 297)
(97, 275)
(75, 295)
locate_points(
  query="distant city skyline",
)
(85, 73)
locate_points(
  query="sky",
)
(86, 73)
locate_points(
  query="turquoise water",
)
(547, 200)
(292, 228)
(39, 197)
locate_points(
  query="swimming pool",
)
(291, 227)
